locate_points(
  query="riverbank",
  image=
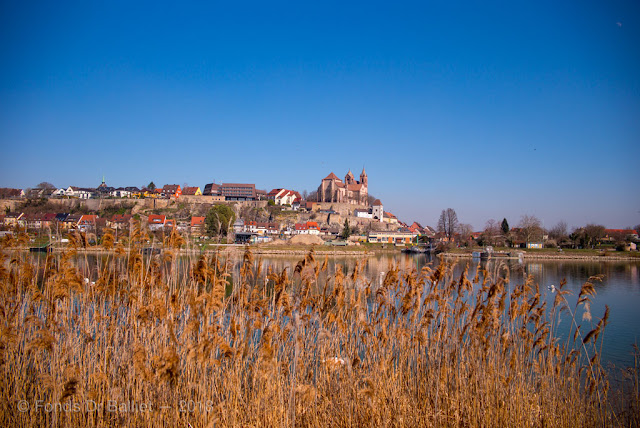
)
(584, 255)
(234, 249)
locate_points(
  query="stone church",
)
(349, 191)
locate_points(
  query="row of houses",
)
(62, 221)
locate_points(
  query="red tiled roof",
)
(88, 218)
(354, 187)
(197, 221)
(377, 203)
(156, 219)
(621, 231)
(171, 187)
(331, 176)
(190, 190)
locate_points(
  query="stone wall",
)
(138, 204)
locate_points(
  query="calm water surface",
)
(619, 289)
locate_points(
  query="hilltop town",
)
(258, 215)
(339, 212)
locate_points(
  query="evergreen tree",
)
(505, 226)
(151, 186)
(346, 231)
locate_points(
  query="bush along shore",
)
(136, 341)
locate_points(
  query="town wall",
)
(139, 205)
(341, 208)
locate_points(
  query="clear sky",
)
(495, 109)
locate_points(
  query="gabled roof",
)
(190, 190)
(331, 176)
(171, 188)
(88, 218)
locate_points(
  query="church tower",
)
(363, 178)
(349, 178)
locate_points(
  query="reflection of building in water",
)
(634, 274)
(534, 269)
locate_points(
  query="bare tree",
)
(560, 231)
(465, 231)
(531, 228)
(448, 222)
(593, 232)
(491, 231)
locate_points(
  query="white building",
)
(377, 211)
(363, 213)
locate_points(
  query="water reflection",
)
(619, 287)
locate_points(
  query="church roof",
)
(363, 173)
(331, 176)
(377, 202)
(354, 187)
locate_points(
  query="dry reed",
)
(135, 341)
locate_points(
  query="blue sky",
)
(495, 109)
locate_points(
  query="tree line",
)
(529, 229)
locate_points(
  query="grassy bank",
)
(136, 341)
(553, 254)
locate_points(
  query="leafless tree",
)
(448, 222)
(594, 233)
(465, 231)
(560, 231)
(531, 228)
(491, 231)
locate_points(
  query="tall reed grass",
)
(136, 341)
